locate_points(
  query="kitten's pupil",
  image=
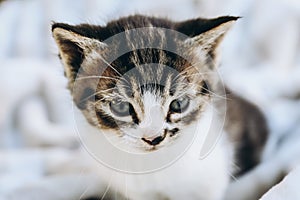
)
(120, 108)
(179, 105)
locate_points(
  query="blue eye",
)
(179, 105)
(120, 109)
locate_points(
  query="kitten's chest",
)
(188, 178)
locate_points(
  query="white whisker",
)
(111, 66)
(232, 176)
(107, 188)
(84, 192)
(99, 92)
(216, 95)
(104, 77)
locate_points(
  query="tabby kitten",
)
(150, 86)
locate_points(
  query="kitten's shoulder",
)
(247, 128)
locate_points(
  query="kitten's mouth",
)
(157, 140)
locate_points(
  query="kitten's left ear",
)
(206, 33)
(79, 51)
(76, 44)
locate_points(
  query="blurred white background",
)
(261, 62)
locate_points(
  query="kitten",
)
(155, 106)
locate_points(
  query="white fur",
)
(187, 178)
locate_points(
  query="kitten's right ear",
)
(206, 34)
(75, 45)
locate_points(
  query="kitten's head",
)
(144, 80)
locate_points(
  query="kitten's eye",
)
(179, 105)
(120, 109)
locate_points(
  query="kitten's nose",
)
(154, 141)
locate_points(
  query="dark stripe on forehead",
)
(124, 63)
(166, 72)
(152, 87)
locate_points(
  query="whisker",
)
(94, 103)
(232, 176)
(124, 79)
(121, 76)
(84, 192)
(179, 74)
(126, 188)
(125, 86)
(213, 94)
(99, 92)
(121, 142)
(201, 62)
(110, 66)
(199, 73)
(104, 77)
(216, 95)
(107, 188)
(97, 102)
(210, 104)
(235, 166)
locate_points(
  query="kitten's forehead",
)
(148, 69)
(157, 79)
(144, 57)
(147, 44)
(147, 75)
(149, 35)
(139, 57)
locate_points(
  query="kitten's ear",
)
(206, 33)
(75, 45)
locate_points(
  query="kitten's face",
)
(145, 97)
(150, 105)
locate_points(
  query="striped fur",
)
(149, 63)
(82, 47)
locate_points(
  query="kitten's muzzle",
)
(157, 140)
